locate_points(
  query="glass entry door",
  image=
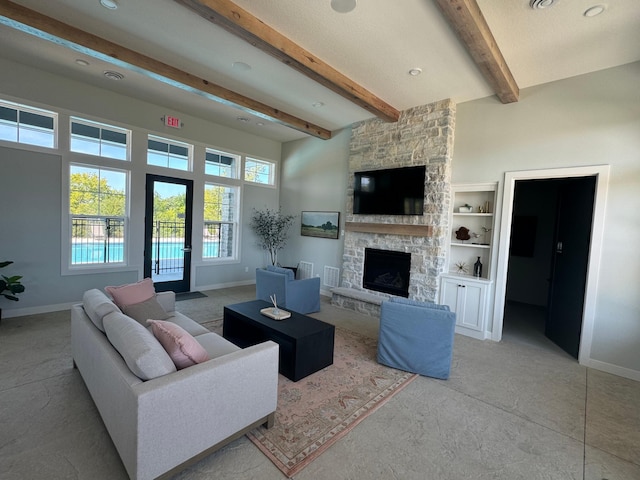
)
(167, 239)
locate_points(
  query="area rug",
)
(318, 410)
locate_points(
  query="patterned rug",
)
(318, 410)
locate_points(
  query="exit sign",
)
(173, 122)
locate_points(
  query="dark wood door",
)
(569, 262)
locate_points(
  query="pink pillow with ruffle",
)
(183, 349)
(132, 293)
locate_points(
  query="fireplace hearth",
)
(387, 271)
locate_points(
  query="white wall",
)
(31, 188)
(592, 119)
(314, 178)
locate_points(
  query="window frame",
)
(102, 126)
(68, 268)
(272, 173)
(170, 142)
(234, 223)
(236, 168)
(20, 107)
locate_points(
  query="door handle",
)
(186, 249)
(559, 247)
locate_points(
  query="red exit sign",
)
(173, 122)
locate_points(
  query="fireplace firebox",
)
(387, 271)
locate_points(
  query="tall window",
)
(220, 221)
(259, 171)
(168, 153)
(32, 126)
(92, 138)
(221, 164)
(97, 207)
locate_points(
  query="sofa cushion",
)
(194, 328)
(215, 345)
(183, 349)
(143, 354)
(132, 293)
(143, 311)
(284, 271)
(97, 305)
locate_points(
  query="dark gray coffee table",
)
(306, 344)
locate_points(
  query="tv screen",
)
(394, 191)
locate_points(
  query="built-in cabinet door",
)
(468, 299)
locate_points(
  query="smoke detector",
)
(540, 4)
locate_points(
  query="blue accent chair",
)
(302, 296)
(416, 337)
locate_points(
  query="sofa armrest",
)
(189, 411)
(167, 300)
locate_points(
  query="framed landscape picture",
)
(321, 224)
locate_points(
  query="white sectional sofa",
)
(162, 424)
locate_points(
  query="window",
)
(221, 164)
(32, 126)
(98, 139)
(97, 207)
(259, 171)
(168, 153)
(220, 221)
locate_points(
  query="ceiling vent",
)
(540, 4)
(111, 75)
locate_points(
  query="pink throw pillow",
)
(183, 349)
(132, 293)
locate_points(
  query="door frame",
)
(150, 178)
(601, 172)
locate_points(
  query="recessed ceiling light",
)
(595, 10)
(243, 119)
(540, 4)
(414, 72)
(343, 6)
(110, 4)
(241, 66)
(111, 75)
(260, 124)
(81, 62)
(317, 104)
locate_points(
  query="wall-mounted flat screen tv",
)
(393, 191)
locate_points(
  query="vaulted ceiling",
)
(290, 68)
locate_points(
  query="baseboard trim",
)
(613, 369)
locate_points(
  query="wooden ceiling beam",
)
(34, 23)
(241, 23)
(467, 20)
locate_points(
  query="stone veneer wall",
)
(422, 136)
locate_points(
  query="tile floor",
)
(518, 409)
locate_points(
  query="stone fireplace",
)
(422, 136)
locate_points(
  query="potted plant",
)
(10, 286)
(271, 227)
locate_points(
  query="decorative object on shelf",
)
(463, 234)
(485, 230)
(477, 268)
(466, 208)
(320, 224)
(271, 227)
(461, 268)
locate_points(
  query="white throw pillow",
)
(144, 355)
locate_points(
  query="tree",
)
(91, 195)
(271, 227)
